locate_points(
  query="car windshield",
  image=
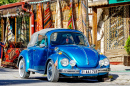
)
(66, 38)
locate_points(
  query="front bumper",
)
(74, 71)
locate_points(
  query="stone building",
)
(112, 27)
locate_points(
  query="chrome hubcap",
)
(21, 68)
(49, 71)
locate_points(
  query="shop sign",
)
(118, 1)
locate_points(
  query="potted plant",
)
(127, 48)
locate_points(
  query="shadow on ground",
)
(3, 70)
(78, 80)
(127, 69)
(14, 82)
(32, 80)
(115, 76)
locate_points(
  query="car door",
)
(40, 54)
(30, 56)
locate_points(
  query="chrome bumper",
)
(72, 71)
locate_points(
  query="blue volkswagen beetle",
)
(62, 52)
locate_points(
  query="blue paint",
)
(85, 57)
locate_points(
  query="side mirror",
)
(92, 46)
(42, 45)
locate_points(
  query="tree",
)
(4, 2)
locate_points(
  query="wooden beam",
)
(1, 32)
(15, 28)
(94, 37)
(2, 26)
(11, 5)
(29, 28)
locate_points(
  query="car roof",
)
(43, 32)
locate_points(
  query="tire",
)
(101, 77)
(22, 69)
(52, 72)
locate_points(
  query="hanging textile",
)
(80, 24)
(39, 19)
(71, 19)
(9, 36)
(23, 30)
(47, 18)
(84, 15)
(58, 23)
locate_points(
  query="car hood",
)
(84, 56)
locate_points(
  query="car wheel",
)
(22, 69)
(52, 72)
(101, 77)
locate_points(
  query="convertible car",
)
(60, 53)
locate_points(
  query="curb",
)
(120, 71)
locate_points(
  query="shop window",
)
(23, 30)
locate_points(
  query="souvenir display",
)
(39, 19)
(71, 19)
(47, 14)
(47, 18)
(58, 23)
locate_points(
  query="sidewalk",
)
(121, 74)
(120, 68)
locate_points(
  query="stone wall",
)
(115, 54)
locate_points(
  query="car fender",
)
(52, 57)
(103, 57)
(24, 54)
(56, 56)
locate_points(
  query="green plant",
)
(4, 2)
(127, 45)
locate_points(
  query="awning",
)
(95, 3)
(11, 9)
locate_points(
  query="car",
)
(62, 53)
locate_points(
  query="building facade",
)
(112, 28)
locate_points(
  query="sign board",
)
(118, 1)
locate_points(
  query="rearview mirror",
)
(42, 45)
(92, 46)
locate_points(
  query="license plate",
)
(89, 71)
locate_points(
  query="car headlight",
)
(64, 62)
(101, 62)
(72, 63)
(104, 62)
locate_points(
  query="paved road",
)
(10, 77)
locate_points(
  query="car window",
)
(63, 38)
(40, 40)
(54, 37)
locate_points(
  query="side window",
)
(40, 40)
(46, 41)
(53, 39)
